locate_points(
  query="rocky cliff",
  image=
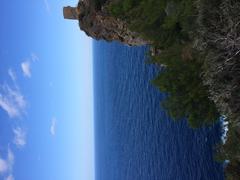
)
(100, 25)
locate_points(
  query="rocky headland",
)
(98, 24)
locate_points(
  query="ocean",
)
(135, 139)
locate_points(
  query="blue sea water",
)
(135, 138)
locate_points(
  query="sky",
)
(46, 93)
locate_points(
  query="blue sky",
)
(46, 99)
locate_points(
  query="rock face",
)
(100, 25)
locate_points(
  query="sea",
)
(135, 139)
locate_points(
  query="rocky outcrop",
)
(98, 24)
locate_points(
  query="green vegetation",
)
(97, 4)
(199, 42)
(230, 151)
(163, 22)
(188, 97)
(219, 41)
(170, 26)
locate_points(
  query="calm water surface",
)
(135, 138)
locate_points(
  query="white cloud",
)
(10, 160)
(26, 65)
(9, 177)
(8, 107)
(19, 137)
(47, 6)
(12, 74)
(12, 101)
(3, 166)
(6, 165)
(26, 68)
(53, 127)
(10, 164)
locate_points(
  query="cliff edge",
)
(98, 24)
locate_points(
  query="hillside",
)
(99, 24)
(198, 50)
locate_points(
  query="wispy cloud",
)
(12, 101)
(9, 177)
(3, 166)
(6, 165)
(12, 74)
(26, 68)
(47, 5)
(19, 137)
(10, 160)
(53, 127)
(34, 57)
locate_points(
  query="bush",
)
(163, 22)
(188, 97)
